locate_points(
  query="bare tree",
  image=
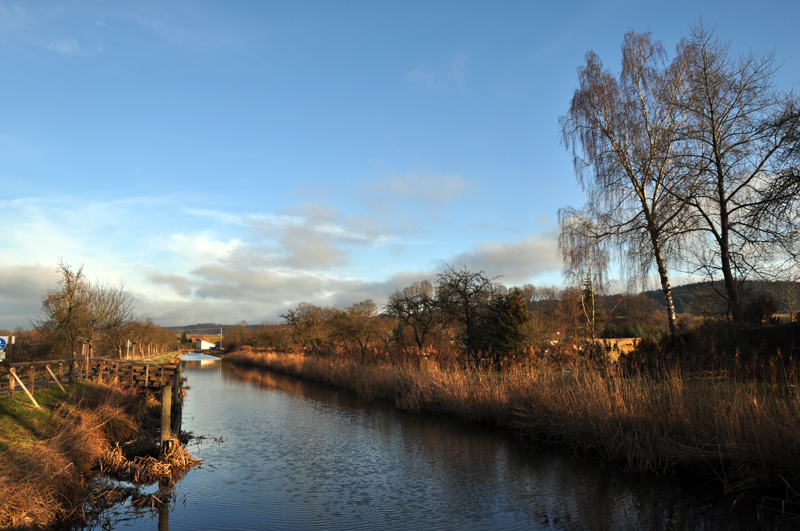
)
(464, 297)
(416, 306)
(309, 323)
(80, 310)
(64, 309)
(108, 307)
(366, 325)
(740, 133)
(116, 339)
(624, 136)
(357, 325)
(585, 264)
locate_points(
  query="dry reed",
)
(48, 480)
(167, 468)
(744, 433)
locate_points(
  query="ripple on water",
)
(296, 456)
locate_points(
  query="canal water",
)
(280, 453)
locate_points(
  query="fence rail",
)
(134, 373)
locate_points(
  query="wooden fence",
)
(165, 377)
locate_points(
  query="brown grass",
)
(746, 434)
(46, 472)
(147, 469)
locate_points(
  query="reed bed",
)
(745, 434)
(166, 468)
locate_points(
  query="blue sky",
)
(227, 160)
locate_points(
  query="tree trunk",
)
(731, 289)
(665, 286)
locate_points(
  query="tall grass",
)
(48, 457)
(745, 434)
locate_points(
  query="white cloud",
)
(181, 285)
(455, 70)
(422, 76)
(516, 262)
(203, 245)
(68, 46)
(310, 236)
(21, 290)
(424, 187)
(223, 218)
(459, 67)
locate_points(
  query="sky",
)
(228, 160)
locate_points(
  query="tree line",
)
(689, 163)
(462, 314)
(81, 317)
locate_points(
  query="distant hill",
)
(704, 297)
(202, 328)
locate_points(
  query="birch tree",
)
(585, 264)
(623, 132)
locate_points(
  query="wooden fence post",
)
(11, 384)
(166, 407)
(46, 377)
(178, 398)
(58, 382)
(60, 372)
(31, 377)
(29, 393)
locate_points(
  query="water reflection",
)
(489, 477)
(299, 456)
(198, 360)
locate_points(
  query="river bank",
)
(50, 456)
(742, 435)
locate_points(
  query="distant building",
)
(202, 344)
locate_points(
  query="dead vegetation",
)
(49, 458)
(742, 433)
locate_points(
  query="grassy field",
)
(743, 434)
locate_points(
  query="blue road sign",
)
(3, 342)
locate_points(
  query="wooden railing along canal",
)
(138, 373)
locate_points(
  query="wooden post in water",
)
(166, 407)
(163, 511)
(178, 396)
(177, 401)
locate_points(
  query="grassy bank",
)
(49, 456)
(745, 434)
